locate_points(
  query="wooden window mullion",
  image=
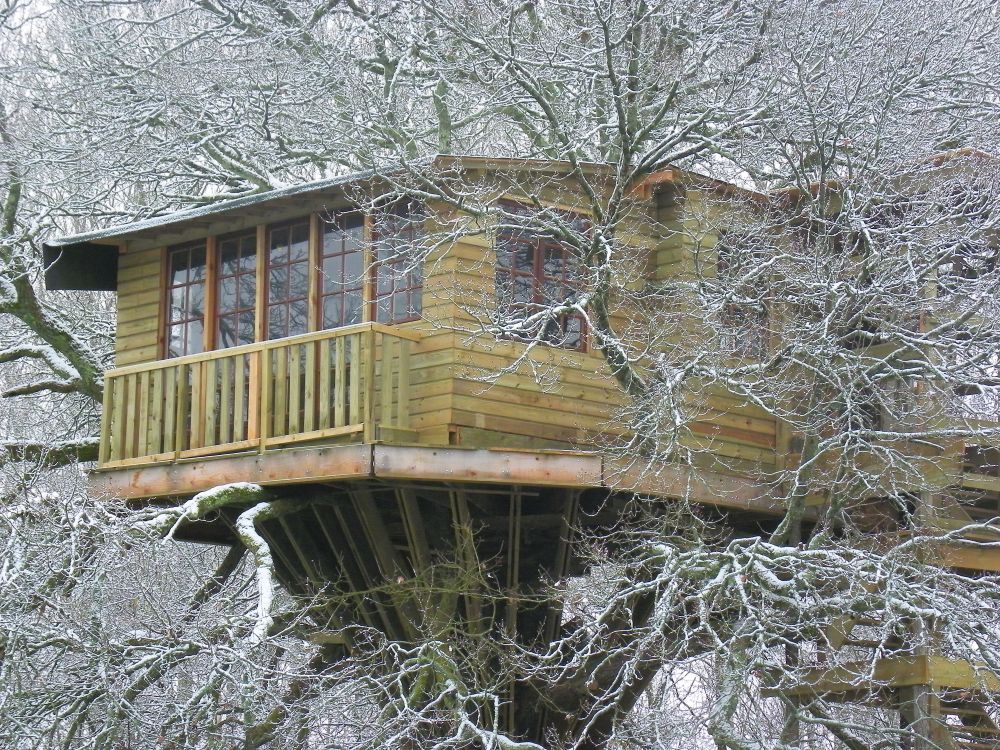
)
(211, 292)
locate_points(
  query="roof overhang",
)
(81, 266)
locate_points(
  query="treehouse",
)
(294, 339)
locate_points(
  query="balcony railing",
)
(348, 383)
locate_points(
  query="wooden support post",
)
(368, 357)
(104, 451)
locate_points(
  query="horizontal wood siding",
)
(139, 300)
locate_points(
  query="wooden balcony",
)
(343, 385)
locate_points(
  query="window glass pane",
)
(227, 294)
(186, 296)
(246, 291)
(279, 246)
(178, 303)
(298, 282)
(299, 242)
(195, 333)
(298, 318)
(278, 286)
(352, 311)
(277, 321)
(179, 267)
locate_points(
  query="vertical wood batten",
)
(211, 393)
(142, 405)
(403, 404)
(294, 388)
(324, 382)
(225, 400)
(280, 393)
(154, 438)
(107, 400)
(131, 382)
(385, 386)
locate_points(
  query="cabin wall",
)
(468, 389)
(140, 278)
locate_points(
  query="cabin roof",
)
(88, 260)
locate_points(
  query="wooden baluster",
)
(142, 415)
(386, 381)
(117, 428)
(403, 401)
(169, 409)
(340, 383)
(154, 436)
(324, 383)
(255, 391)
(309, 399)
(294, 389)
(280, 408)
(264, 405)
(225, 400)
(131, 383)
(107, 406)
(183, 404)
(239, 397)
(209, 436)
(369, 404)
(197, 425)
(354, 388)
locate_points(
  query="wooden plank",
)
(210, 436)
(240, 366)
(211, 450)
(131, 386)
(226, 399)
(264, 405)
(385, 384)
(183, 411)
(403, 401)
(197, 424)
(294, 389)
(104, 443)
(154, 437)
(211, 303)
(279, 407)
(324, 382)
(309, 397)
(303, 437)
(169, 409)
(255, 391)
(339, 382)
(116, 427)
(368, 360)
(354, 387)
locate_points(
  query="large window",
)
(288, 280)
(186, 299)
(311, 274)
(237, 289)
(535, 274)
(743, 315)
(399, 281)
(342, 271)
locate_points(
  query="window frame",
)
(539, 279)
(415, 232)
(218, 314)
(315, 288)
(167, 298)
(306, 297)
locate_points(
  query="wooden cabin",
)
(287, 321)
(284, 339)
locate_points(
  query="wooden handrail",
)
(259, 346)
(318, 385)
